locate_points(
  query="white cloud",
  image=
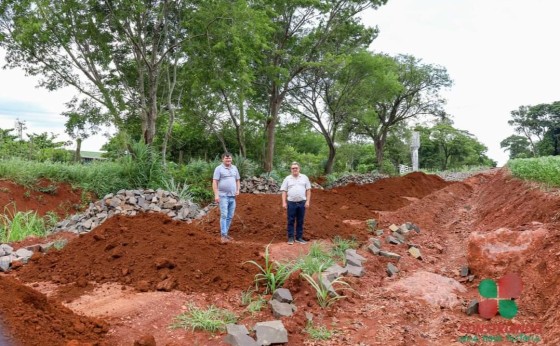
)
(39, 108)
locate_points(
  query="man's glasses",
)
(295, 167)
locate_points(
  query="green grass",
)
(316, 260)
(340, 245)
(324, 297)
(319, 332)
(211, 319)
(17, 225)
(544, 170)
(272, 274)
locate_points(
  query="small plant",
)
(315, 260)
(340, 246)
(182, 190)
(49, 189)
(212, 319)
(16, 226)
(273, 274)
(59, 244)
(256, 305)
(247, 297)
(325, 296)
(318, 333)
(27, 194)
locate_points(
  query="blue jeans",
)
(227, 209)
(296, 213)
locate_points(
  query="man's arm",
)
(284, 204)
(237, 186)
(215, 188)
(307, 198)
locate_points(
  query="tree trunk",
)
(379, 142)
(270, 128)
(330, 159)
(77, 155)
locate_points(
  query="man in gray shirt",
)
(226, 184)
(296, 197)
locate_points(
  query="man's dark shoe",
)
(301, 241)
(290, 241)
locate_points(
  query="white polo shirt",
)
(296, 187)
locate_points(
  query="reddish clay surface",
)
(61, 199)
(114, 272)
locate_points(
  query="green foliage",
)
(181, 189)
(144, 167)
(212, 319)
(272, 274)
(340, 245)
(318, 333)
(315, 261)
(245, 166)
(325, 297)
(17, 225)
(544, 169)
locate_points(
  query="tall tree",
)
(518, 147)
(303, 35)
(418, 95)
(329, 95)
(113, 52)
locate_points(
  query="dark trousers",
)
(296, 214)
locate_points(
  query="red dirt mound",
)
(45, 196)
(261, 218)
(149, 252)
(30, 319)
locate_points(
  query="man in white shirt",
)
(296, 196)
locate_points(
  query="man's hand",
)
(306, 204)
(284, 205)
(217, 199)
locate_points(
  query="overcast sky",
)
(501, 54)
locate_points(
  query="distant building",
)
(90, 156)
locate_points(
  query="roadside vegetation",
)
(544, 169)
(211, 319)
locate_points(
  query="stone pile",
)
(258, 185)
(398, 235)
(130, 203)
(358, 179)
(282, 305)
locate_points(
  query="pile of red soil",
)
(152, 252)
(43, 197)
(28, 318)
(149, 252)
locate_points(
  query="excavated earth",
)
(126, 281)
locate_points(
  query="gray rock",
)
(280, 310)
(240, 340)
(334, 272)
(283, 295)
(379, 232)
(374, 249)
(236, 329)
(357, 271)
(472, 308)
(392, 269)
(389, 254)
(24, 255)
(5, 262)
(271, 332)
(464, 271)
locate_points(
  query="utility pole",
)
(19, 127)
(414, 146)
